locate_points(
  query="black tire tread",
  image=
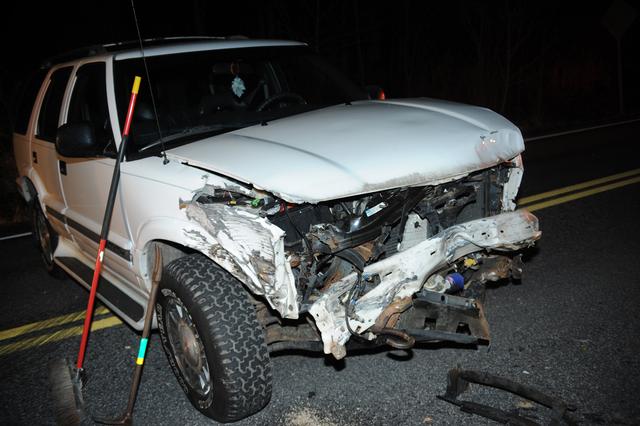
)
(234, 333)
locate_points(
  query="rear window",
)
(51, 104)
(27, 99)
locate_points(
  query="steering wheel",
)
(279, 97)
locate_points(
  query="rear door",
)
(21, 129)
(44, 158)
(86, 180)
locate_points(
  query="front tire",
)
(213, 340)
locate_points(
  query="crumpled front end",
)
(389, 267)
(404, 274)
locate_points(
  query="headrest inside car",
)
(143, 111)
(225, 68)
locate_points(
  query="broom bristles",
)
(65, 385)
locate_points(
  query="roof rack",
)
(102, 49)
(157, 41)
(81, 52)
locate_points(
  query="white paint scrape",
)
(249, 247)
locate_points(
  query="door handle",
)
(62, 165)
(34, 157)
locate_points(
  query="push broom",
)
(66, 379)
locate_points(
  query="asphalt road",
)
(569, 328)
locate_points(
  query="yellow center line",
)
(49, 323)
(576, 187)
(65, 333)
(582, 194)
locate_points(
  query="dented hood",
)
(367, 146)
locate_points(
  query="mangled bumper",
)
(404, 273)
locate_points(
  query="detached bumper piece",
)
(459, 381)
(443, 317)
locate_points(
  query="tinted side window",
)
(28, 98)
(50, 110)
(89, 100)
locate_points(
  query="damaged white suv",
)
(292, 210)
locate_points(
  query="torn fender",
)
(510, 189)
(249, 247)
(404, 273)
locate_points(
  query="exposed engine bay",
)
(327, 242)
(392, 267)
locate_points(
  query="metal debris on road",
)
(458, 383)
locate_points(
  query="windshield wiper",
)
(191, 131)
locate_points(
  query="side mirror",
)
(78, 140)
(375, 92)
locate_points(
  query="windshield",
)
(201, 94)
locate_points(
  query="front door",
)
(86, 181)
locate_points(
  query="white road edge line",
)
(586, 129)
(11, 237)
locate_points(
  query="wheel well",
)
(28, 192)
(170, 252)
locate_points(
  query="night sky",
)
(542, 64)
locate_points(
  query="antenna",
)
(165, 160)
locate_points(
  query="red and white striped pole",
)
(113, 189)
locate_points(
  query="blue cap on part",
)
(456, 280)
